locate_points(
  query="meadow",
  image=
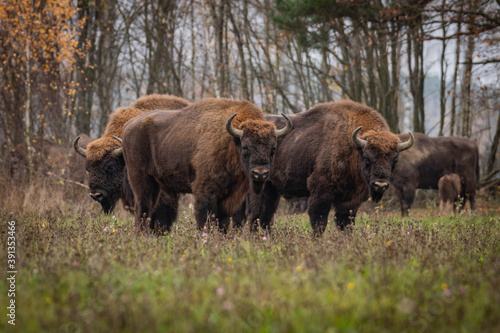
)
(81, 271)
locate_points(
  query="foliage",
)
(87, 58)
(38, 50)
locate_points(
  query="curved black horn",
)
(407, 144)
(285, 130)
(237, 133)
(118, 151)
(360, 143)
(79, 149)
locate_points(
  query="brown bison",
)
(429, 160)
(105, 164)
(338, 154)
(449, 192)
(216, 149)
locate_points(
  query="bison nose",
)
(380, 186)
(260, 174)
(97, 196)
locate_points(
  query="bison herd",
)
(238, 162)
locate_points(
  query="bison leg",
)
(146, 191)
(261, 207)
(319, 208)
(200, 213)
(164, 212)
(239, 218)
(270, 206)
(204, 211)
(472, 197)
(406, 200)
(345, 218)
(222, 218)
(456, 205)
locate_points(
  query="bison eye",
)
(273, 150)
(367, 161)
(396, 160)
(245, 151)
(110, 169)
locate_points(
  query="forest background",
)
(426, 66)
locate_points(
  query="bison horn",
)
(118, 151)
(79, 149)
(407, 144)
(360, 143)
(285, 130)
(237, 133)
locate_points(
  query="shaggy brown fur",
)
(385, 143)
(191, 151)
(106, 172)
(159, 102)
(99, 148)
(319, 160)
(117, 119)
(449, 192)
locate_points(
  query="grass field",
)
(80, 271)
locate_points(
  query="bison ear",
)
(407, 144)
(360, 143)
(237, 133)
(118, 151)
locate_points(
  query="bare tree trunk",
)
(213, 77)
(494, 147)
(84, 74)
(466, 96)
(395, 69)
(241, 52)
(419, 57)
(416, 72)
(217, 12)
(453, 111)
(442, 90)
(193, 53)
(27, 115)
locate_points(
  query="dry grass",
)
(80, 271)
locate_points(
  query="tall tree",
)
(37, 49)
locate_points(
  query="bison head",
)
(379, 151)
(105, 166)
(257, 141)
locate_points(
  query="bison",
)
(429, 160)
(215, 148)
(449, 192)
(105, 164)
(338, 154)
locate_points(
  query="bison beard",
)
(337, 155)
(215, 149)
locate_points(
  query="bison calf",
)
(449, 193)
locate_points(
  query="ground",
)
(81, 271)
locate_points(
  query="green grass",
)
(416, 275)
